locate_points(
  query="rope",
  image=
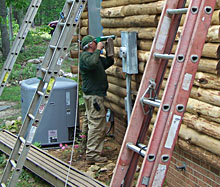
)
(76, 116)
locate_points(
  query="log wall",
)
(200, 130)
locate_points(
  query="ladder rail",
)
(137, 117)
(169, 93)
(159, 79)
(47, 80)
(18, 43)
(183, 89)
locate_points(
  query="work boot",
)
(97, 159)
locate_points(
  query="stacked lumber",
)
(200, 129)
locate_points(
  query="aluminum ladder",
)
(18, 43)
(157, 154)
(51, 65)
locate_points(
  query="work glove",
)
(109, 47)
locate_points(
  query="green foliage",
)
(3, 160)
(29, 179)
(19, 4)
(49, 11)
(14, 128)
(21, 73)
(37, 144)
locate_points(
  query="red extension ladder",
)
(157, 154)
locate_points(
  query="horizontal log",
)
(202, 125)
(115, 108)
(210, 50)
(212, 36)
(206, 95)
(133, 9)
(203, 109)
(117, 90)
(84, 31)
(121, 82)
(130, 21)
(199, 153)
(143, 33)
(207, 65)
(207, 80)
(74, 69)
(142, 55)
(84, 23)
(115, 3)
(196, 139)
(74, 54)
(113, 12)
(115, 99)
(206, 142)
(76, 38)
(204, 80)
(115, 71)
(84, 15)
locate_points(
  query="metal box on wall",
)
(58, 122)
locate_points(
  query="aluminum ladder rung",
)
(154, 103)
(53, 46)
(140, 149)
(61, 24)
(177, 11)
(22, 140)
(164, 56)
(31, 116)
(40, 93)
(13, 163)
(44, 70)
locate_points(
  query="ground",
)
(101, 172)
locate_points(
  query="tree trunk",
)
(10, 23)
(4, 31)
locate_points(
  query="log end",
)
(218, 52)
(218, 68)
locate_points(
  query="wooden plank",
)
(54, 169)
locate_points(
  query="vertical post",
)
(128, 99)
(128, 53)
(10, 23)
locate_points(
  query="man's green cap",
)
(87, 39)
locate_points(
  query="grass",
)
(11, 93)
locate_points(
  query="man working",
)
(95, 85)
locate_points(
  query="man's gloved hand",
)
(109, 47)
